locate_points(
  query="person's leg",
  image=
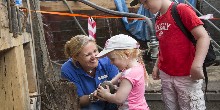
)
(169, 95)
(190, 94)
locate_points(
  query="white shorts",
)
(182, 93)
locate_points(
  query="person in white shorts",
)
(179, 63)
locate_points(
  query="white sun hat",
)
(120, 41)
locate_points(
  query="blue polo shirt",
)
(86, 84)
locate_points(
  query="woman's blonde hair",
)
(74, 46)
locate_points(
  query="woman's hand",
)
(155, 73)
(196, 72)
(93, 96)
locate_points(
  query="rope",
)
(77, 22)
(94, 16)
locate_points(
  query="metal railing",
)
(214, 43)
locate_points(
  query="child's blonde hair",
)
(131, 53)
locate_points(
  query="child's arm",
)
(202, 46)
(114, 81)
(120, 96)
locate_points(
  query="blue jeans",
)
(100, 105)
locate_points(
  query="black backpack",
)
(210, 57)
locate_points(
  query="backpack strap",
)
(206, 79)
(188, 34)
(180, 24)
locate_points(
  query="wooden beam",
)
(6, 38)
(60, 6)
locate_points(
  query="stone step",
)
(218, 57)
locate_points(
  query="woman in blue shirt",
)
(87, 72)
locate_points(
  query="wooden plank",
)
(60, 6)
(0, 30)
(30, 67)
(21, 95)
(7, 41)
(14, 87)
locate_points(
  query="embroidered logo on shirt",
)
(160, 33)
(102, 77)
(162, 27)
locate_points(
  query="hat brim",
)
(134, 2)
(104, 52)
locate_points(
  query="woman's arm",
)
(87, 99)
(84, 100)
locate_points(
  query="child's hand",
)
(110, 85)
(196, 72)
(155, 73)
(116, 87)
(102, 93)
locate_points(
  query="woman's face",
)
(87, 58)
